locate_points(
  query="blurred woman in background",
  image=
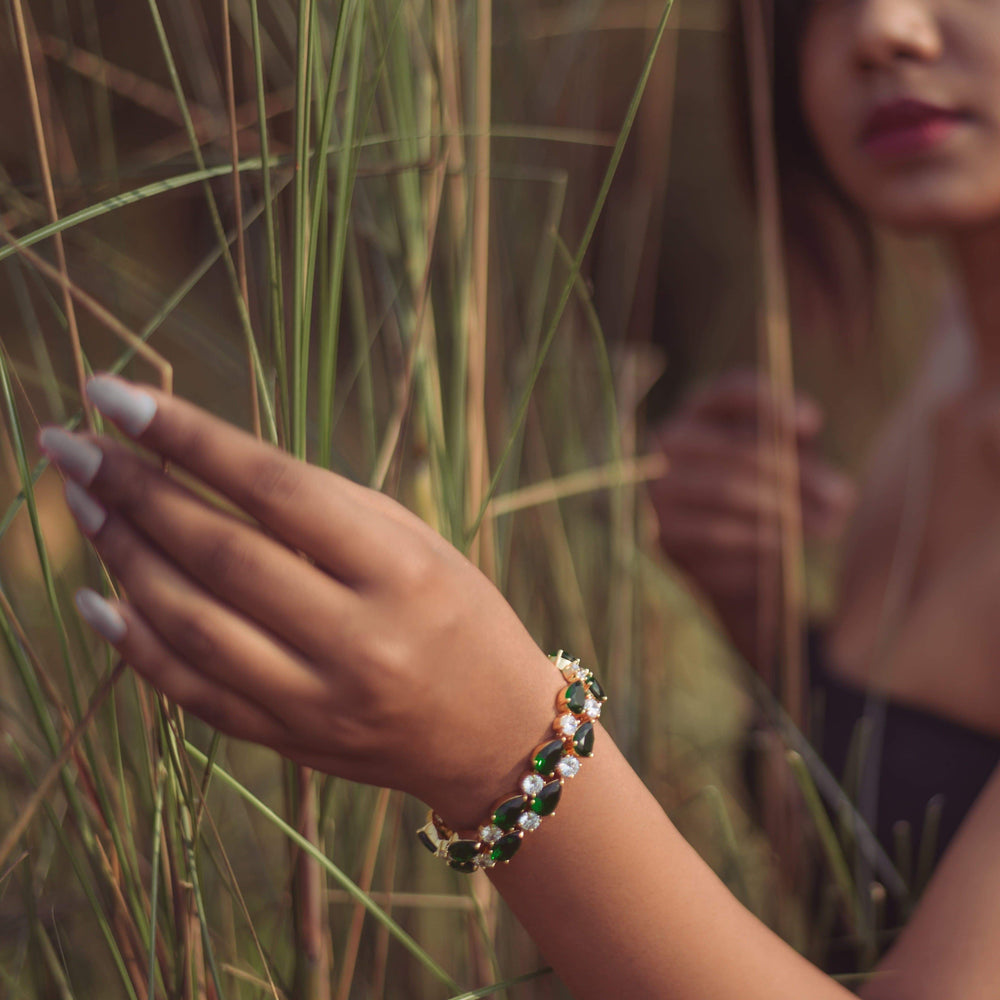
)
(887, 113)
(385, 657)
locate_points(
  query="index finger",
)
(340, 524)
(744, 396)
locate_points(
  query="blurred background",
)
(461, 297)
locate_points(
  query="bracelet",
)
(551, 763)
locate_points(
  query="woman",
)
(903, 114)
(385, 657)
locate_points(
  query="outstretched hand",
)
(330, 624)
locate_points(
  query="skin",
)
(374, 641)
(307, 616)
(855, 56)
(269, 647)
(946, 52)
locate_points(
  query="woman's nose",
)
(893, 30)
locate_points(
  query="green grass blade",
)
(567, 291)
(488, 991)
(17, 440)
(828, 839)
(154, 891)
(216, 218)
(300, 321)
(346, 170)
(274, 268)
(338, 876)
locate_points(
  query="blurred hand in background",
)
(719, 505)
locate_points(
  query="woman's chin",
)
(933, 210)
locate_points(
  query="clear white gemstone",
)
(568, 767)
(490, 834)
(532, 784)
(484, 861)
(592, 708)
(568, 724)
(529, 821)
(571, 669)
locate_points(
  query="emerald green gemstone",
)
(547, 756)
(545, 802)
(463, 850)
(505, 815)
(506, 847)
(575, 697)
(467, 867)
(596, 690)
(583, 740)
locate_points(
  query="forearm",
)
(621, 905)
(949, 947)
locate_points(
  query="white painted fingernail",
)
(130, 408)
(78, 458)
(89, 514)
(100, 616)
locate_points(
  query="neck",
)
(977, 257)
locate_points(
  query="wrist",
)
(470, 841)
(499, 759)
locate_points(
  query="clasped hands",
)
(329, 623)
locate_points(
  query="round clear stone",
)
(568, 724)
(529, 821)
(490, 834)
(568, 767)
(592, 708)
(532, 784)
(484, 860)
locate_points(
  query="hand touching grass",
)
(329, 623)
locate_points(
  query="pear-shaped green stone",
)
(505, 815)
(575, 697)
(463, 850)
(545, 802)
(583, 740)
(596, 690)
(467, 867)
(547, 756)
(506, 847)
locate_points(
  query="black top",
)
(913, 758)
(919, 756)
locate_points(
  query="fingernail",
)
(89, 514)
(100, 615)
(130, 408)
(78, 458)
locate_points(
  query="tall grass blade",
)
(345, 883)
(567, 290)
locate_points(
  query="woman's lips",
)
(908, 127)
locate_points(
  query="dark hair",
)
(829, 241)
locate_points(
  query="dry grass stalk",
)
(349, 959)
(50, 199)
(776, 352)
